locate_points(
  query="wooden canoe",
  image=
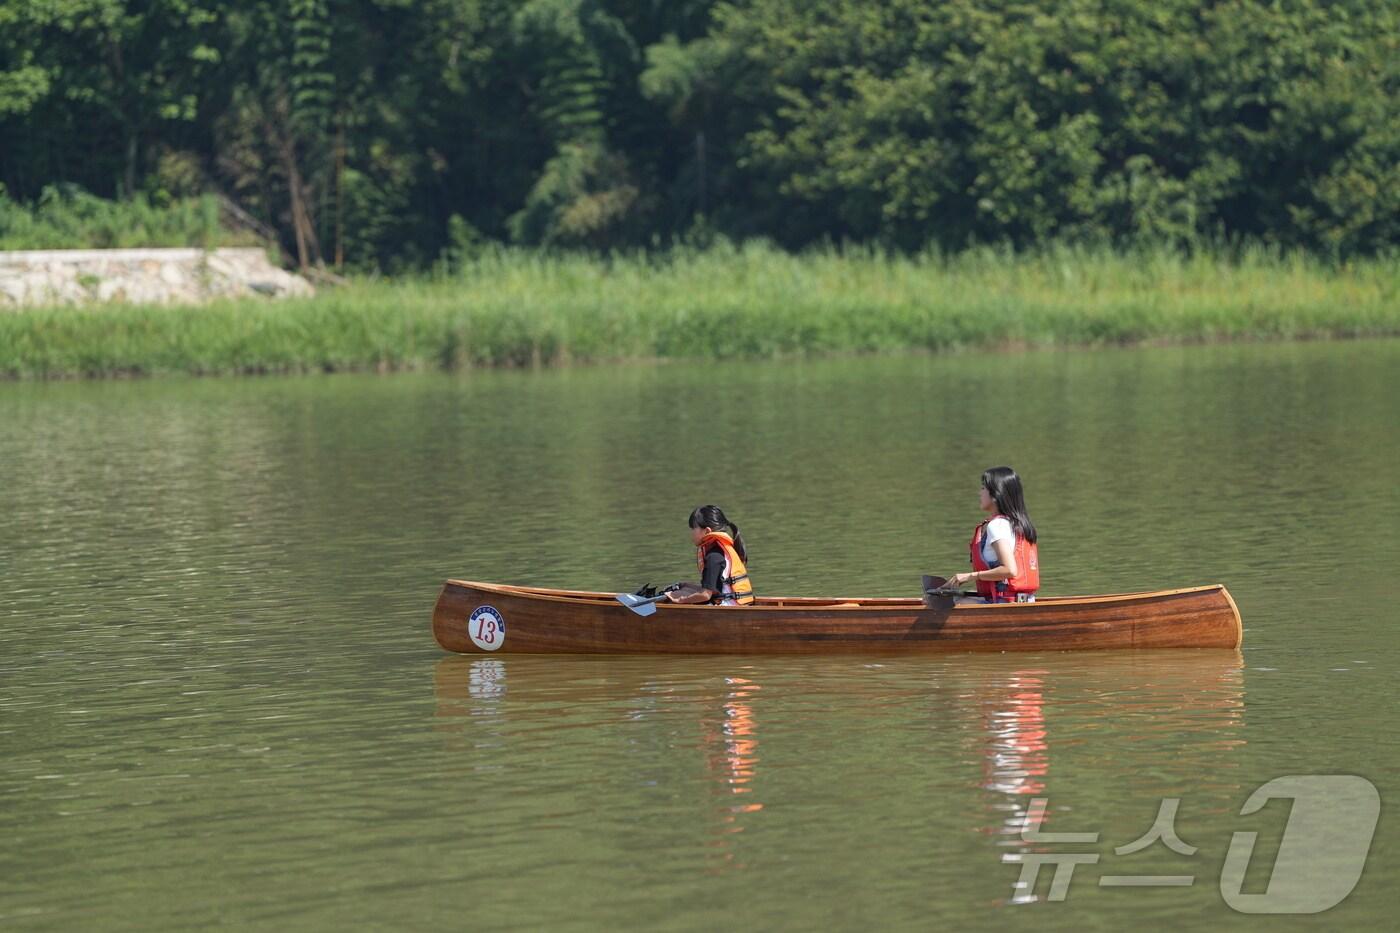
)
(479, 618)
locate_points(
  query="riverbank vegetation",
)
(66, 217)
(517, 181)
(506, 307)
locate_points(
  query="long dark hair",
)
(1005, 488)
(712, 516)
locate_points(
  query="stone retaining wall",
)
(158, 276)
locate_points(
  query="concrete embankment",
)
(31, 278)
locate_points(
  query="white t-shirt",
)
(998, 529)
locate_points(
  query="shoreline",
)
(521, 310)
(1007, 349)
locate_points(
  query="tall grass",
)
(515, 308)
(66, 217)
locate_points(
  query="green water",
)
(220, 701)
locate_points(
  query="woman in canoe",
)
(1005, 562)
(722, 558)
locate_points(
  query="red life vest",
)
(736, 589)
(1027, 579)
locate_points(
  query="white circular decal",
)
(487, 628)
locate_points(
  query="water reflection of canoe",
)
(487, 617)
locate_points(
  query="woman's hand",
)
(958, 579)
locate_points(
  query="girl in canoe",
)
(722, 558)
(1005, 562)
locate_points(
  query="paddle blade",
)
(641, 606)
(933, 589)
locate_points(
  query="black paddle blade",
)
(933, 589)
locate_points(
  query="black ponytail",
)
(739, 542)
(711, 516)
(1004, 486)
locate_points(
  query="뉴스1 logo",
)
(1320, 858)
(487, 628)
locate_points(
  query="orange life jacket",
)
(1027, 579)
(736, 589)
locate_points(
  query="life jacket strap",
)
(740, 599)
(737, 597)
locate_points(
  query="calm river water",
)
(220, 701)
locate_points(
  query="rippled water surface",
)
(220, 701)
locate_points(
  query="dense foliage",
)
(387, 134)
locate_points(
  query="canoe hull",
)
(483, 618)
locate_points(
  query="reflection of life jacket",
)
(736, 589)
(1027, 579)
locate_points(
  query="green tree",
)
(689, 80)
(92, 86)
(579, 54)
(1025, 120)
